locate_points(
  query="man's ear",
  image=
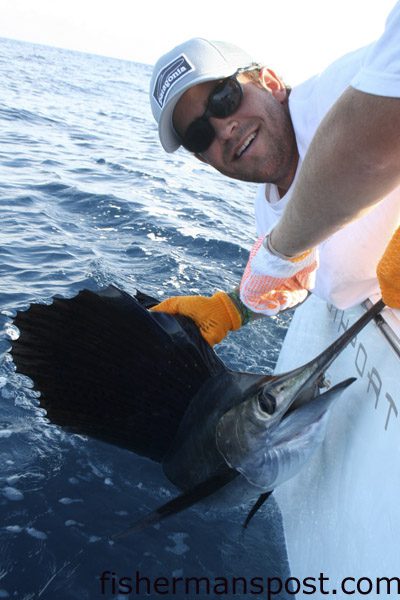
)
(270, 80)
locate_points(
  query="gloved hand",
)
(388, 272)
(271, 283)
(215, 315)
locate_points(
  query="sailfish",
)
(108, 367)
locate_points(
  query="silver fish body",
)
(265, 428)
(269, 451)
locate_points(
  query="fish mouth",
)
(289, 388)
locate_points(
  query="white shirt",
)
(348, 259)
(380, 71)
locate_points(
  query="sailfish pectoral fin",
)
(185, 500)
(256, 506)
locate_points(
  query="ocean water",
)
(88, 197)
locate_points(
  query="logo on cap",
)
(169, 76)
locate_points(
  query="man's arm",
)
(216, 315)
(351, 164)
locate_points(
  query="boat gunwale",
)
(385, 328)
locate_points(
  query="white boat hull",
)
(341, 513)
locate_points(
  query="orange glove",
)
(388, 272)
(214, 316)
(272, 283)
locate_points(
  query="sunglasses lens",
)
(222, 102)
(199, 136)
(226, 98)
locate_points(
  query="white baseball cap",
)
(193, 62)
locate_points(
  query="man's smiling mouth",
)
(245, 145)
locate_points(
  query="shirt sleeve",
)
(380, 72)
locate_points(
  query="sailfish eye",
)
(267, 402)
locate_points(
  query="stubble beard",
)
(280, 166)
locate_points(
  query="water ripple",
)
(89, 198)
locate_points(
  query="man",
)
(242, 119)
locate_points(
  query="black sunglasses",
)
(223, 101)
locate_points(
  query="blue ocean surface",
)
(88, 198)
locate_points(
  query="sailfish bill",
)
(108, 367)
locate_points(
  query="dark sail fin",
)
(107, 367)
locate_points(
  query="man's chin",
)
(244, 176)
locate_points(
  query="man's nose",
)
(224, 128)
